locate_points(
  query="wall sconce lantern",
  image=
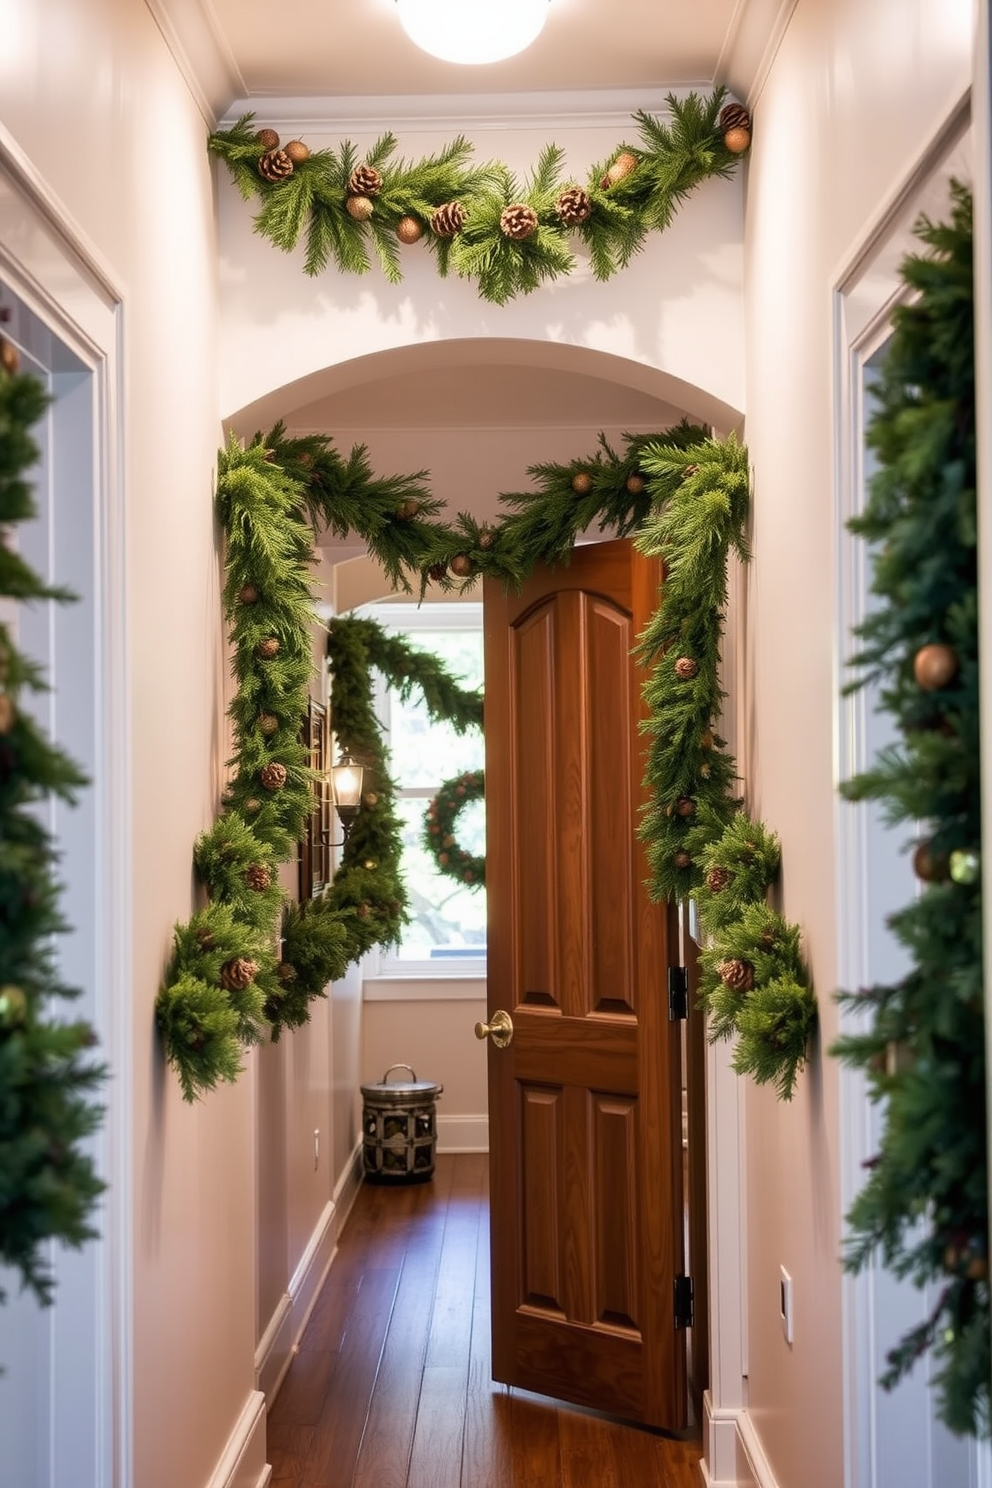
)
(346, 790)
(472, 31)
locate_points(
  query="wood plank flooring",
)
(391, 1387)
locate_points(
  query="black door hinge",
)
(678, 993)
(683, 1301)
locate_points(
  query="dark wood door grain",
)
(585, 1104)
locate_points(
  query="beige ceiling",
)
(355, 48)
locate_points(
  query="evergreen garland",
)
(684, 494)
(48, 1183)
(481, 222)
(924, 1206)
(438, 835)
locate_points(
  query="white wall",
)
(855, 93)
(92, 104)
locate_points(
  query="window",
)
(446, 934)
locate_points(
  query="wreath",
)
(439, 828)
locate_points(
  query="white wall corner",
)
(242, 1463)
(753, 38)
(463, 1133)
(200, 51)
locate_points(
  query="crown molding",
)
(479, 112)
(194, 36)
(753, 38)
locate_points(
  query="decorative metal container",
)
(399, 1128)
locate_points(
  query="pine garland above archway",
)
(482, 222)
(685, 494)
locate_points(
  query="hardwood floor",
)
(391, 1387)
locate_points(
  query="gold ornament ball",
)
(370, 864)
(359, 208)
(13, 1006)
(965, 865)
(248, 594)
(297, 151)
(268, 647)
(370, 798)
(686, 806)
(635, 484)
(252, 805)
(10, 359)
(407, 510)
(268, 723)
(267, 139)
(409, 230)
(582, 483)
(737, 140)
(8, 713)
(620, 169)
(934, 666)
(461, 565)
(928, 866)
(682, 860)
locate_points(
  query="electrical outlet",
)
(316, 1146)
(785, 1302)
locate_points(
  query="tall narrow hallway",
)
(391, 1387)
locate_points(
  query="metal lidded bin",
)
(399, 1128)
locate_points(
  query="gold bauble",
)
(267, 139)
(297, 151)
(358, 207)
(635, 484)
(737, 140)
(8, 713)
(934, 666)
(409, 230)
(582, 483)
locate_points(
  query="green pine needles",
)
(48, 1183)
(480, 222)
(923, 1210)
(686, 498)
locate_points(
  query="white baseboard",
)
(462, 1133)
(734, 1456)
(279, 1342)
(242, 1463)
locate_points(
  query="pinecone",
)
(437, 572)
(258, 877)
(268, 647)
(574, 206)
(268, 723)
(448, 220)
(407, 510)
(248, 594)
(518, 221)
(8, 713)
(461, 565)
(364, 180)
(267, 139)
(686, 806)
(252, 805)
(286, 972)
(718, 878)
(487, 537)
(686, 668)
(10, 359)
(273, 775)
(682, 860)
(733, 116)
(736, 974)
(275, 165)
(238, 974)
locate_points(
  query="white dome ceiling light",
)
(472, 31)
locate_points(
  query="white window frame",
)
(385, 974)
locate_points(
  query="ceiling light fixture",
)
(472, 30)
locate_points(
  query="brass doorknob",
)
(499, 1029)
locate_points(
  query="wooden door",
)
(585, 1123)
